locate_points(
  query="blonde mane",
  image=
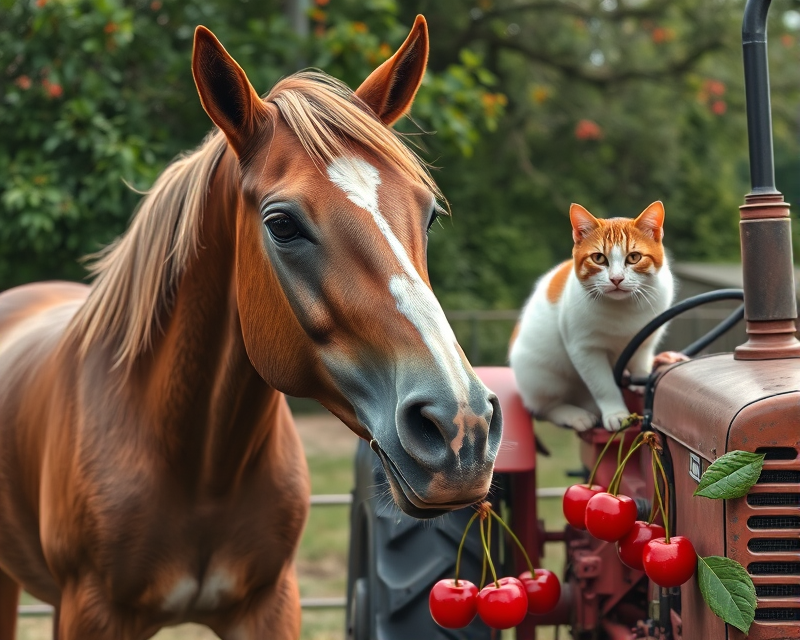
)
(137, 275)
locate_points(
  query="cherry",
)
(505, 606)
(574, 503)
(609, 517)
(669, 564)
(453, 605)
(631, 545)
(543, 589)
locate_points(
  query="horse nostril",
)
(422, 435)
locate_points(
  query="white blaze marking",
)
(360, 181)
(181, 595)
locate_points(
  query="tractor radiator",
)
(764, 536)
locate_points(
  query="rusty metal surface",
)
(764, 527)
(703, 522)
(696, 401)
(713, 405)
(768, 277)
(768, 282)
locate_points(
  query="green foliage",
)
(728, 590)
(97, 95)
(534, 105)
(731, 476)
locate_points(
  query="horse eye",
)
(599, 258)
(634, 257)
(281, 227)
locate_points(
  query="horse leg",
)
(55, 624)
(9, 601)
(275, 616)
(86, 613)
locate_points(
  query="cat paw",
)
(669, 357)
(572, 418)
(613, 421)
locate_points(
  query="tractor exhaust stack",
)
(765, 226)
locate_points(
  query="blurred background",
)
(528, 105)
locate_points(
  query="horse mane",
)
(135, 277)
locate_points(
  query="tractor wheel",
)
(395, 560)
(358, 612)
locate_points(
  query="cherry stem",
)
(653, 510)
(514, 537)
(613, 486)
(656, 480)
(461, 544)
(631, 420)
(488, 555)
(488, 544)
(665, 502)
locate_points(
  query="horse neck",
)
(212, 411)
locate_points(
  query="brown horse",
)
(150, 473)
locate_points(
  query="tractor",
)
(701, 408)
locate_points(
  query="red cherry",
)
(669, 564)
(631, 545)
(543, 589)
(453, 606)
(610, 517)
(574, 503)
(505, 606)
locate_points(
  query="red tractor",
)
(747, 400)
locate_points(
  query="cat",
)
(583, 312)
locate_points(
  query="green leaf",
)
(727, 590)
(731, 476)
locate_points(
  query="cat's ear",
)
(651, 221)
(583, 222)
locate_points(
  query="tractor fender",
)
(517, 446)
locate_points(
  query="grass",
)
(322, 560)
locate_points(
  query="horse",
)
(150, 473)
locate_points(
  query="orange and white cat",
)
(583, 313)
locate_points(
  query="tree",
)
(97, 96)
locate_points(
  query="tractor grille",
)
(773, 545)
(777, 590)
(778, 615)
(774, 568)
(774, 500)
(769, 545)
(778, 453)
(774, 522)
(776, 476)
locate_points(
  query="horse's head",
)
(331, 275)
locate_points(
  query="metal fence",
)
(484, 335)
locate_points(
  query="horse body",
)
(150, 473)
(181, 493)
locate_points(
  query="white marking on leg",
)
(180, 595)
(216, 584)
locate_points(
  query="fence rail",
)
(484, 334)
(323, 500)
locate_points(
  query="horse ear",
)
(390, 89)
(225, 92)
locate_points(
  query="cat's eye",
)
(599, 258)
(281, 227)
(633, 257)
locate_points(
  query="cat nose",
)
(617, 280)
